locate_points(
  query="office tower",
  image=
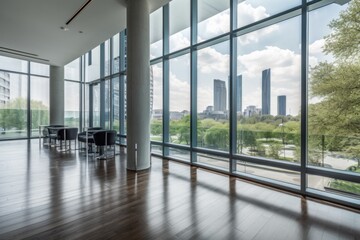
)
(4, 88)
(281, 105)
(239, 93)
(219, 95)
(266, 78)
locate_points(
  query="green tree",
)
(337, 84)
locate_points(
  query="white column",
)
(56, 95)
(138, 85)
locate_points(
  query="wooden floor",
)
(45, 194)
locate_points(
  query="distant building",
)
(219, 95)
(239, 94)
(4, 88)
(266, 78)
(157, 114)
(281, 105)
(251, 111)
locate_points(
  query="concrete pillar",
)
(56, 95)
(138, 85)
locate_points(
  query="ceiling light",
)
(64, 28)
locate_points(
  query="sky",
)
(277, 47)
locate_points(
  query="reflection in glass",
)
(334, 186)
(213, 161)
(274, 173)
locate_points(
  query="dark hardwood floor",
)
(46, 194)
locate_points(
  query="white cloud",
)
(249, 14)
(316, 47)
(212, 61)
(180, 40)
(179, 93)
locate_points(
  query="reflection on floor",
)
(49, 194)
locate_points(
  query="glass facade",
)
(24, 98)
(258, 89)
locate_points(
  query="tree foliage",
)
(337, 84)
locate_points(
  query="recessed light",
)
(64, 28)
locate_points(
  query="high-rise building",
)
(266, 78)
(219, 95)
(239, 94)
(281, 105)
(4, 88)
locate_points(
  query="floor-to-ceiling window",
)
(333, 109)
(24, 97)
(262, 89)
(265, 90)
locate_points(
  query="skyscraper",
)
(239, 93)
(281, 105)
(219, 95)
(266, 77)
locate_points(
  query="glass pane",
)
(250, 11)
(107, 58)
(334, 186)
(213, 18)
(12, 64)
(125, 104)
(179, 24)
(13, 105)
(72, 70)
(333, 116)
(107, 104)
(214, 161)
(96, 105)
(179, 154)
(268, 92)
(72, 104)
(274, 173)
(39, 103)
(116, 53)
(39, 69)
(156, 40)
(212, 97)
(116, 105)
(180, 100)
(156, 149)
(156, 101)
(92, 65)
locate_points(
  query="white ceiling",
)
(33, 26)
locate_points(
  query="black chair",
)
(67, 134)
(103, 140)
(50, 133)
(83, 138)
